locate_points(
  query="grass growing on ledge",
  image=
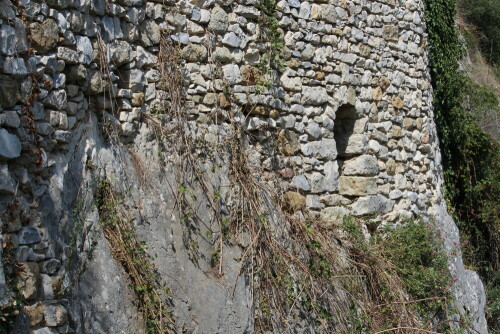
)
(411, 259)
(132, 255)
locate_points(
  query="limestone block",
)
(357, 185)
(365, 165)
(371, 205)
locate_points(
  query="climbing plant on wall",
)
(470, 155)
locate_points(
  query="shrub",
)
(484, 14)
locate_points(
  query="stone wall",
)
(345, 127)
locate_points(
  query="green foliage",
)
(470, 155)
(485, 15)
(131, 254)
(493, 295)
(411, 254)
(416, 252)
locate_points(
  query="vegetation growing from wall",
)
(470, 155)
(484, 14)
(131, 254)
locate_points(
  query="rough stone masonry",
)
(350, 115)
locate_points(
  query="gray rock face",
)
(10, 146)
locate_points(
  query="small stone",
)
(222, 55)
(314, 95)
(10, 146)
(377, 94)
(56, 99)
(7, 183)
(293, 84)
(55, 315)
(84, 46)
(29, 280)
(138, 99)
(218, 20)
(68, 55)
(35, 313)
(371, 205)
(10, 91)
(194, 53)
(288, 142)
(232, 73)
(50, 266)
(390, 32)
(397, 103)
(120, 52)
(300, 182)
(334, 215)
(232, 40)
(63, 136)
(44, 36)
(29, 235)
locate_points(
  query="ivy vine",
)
(470, 156)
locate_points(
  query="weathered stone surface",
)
(35, 313)
(232, 74)
(314, 95)
(218, 20)
(7, 183)
(10, 146)
(371, 205)
(365, 165)
(70, 56)
(10, 91)
(150, 33)
(29, 281)
(357, 186)
(300, 182)
(288, 142)
(55, 315)
(293, 84)
(334, 215)
(84, 46)
(56, 99)
(120, 52)
(194, 53)
(29, 235)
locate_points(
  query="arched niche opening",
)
(345, 122)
